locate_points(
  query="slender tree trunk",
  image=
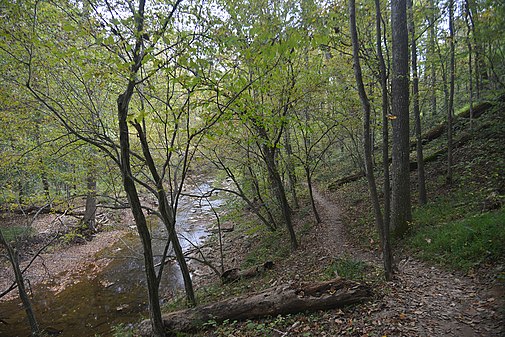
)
(468, 20)
(308, 176)
(401, 204)
(168, 216)
(90, 211)
(385, 235)
(421, 181)
(45, 184)
(451, 94)
(130, 188)
(136, 208)
(367, 140)
(23, 295)
(290, 168)
(279, 191)
(432, 52)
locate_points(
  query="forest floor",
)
(422, 300)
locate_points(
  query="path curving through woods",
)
(422, 300)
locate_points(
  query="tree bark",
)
(269, 156)
(90, 212)
(130, 188)
(308, 176)
(469, 33)
(450, 108)
(290, 168)
(400, 204)
(432, 36)
(385, 235)
(167, 213)
(421, 181)
(279, 191)
(138, 214)
(281, 300)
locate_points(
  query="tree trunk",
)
(138, 214)
(432, 40)
(385, 235)
(130, 188)
(400, 204)
(308, 176)
(469, 25)
(290, 168)
(450, 108)
(167, 213)
(279, 191)
(367, 140)
(281, 300)
(421, 181)
(90, 212)
(13, 258)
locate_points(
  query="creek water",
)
(117, 294)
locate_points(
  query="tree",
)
(367, 142)
(385, 234)
(450, 107)
(421, 181)
(400, 203)
(12, 256)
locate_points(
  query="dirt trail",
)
(422, 300)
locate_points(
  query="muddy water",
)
(118, 294)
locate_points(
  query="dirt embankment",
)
(62, 257)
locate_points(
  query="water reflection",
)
(117, 294)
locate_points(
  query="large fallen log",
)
(280, 300)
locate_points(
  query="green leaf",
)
(68, 27)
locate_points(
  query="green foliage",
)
(348, 268)
(457, 205)
(461, 244)
(76, 234)
(123, 330)
(271, 246)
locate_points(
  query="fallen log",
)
(280, 300)
(345, 180)
(441, 129)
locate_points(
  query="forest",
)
(252, 168)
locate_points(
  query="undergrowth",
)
(461, 244)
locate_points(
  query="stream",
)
(118, 293)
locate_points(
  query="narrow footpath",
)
(422, 300)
